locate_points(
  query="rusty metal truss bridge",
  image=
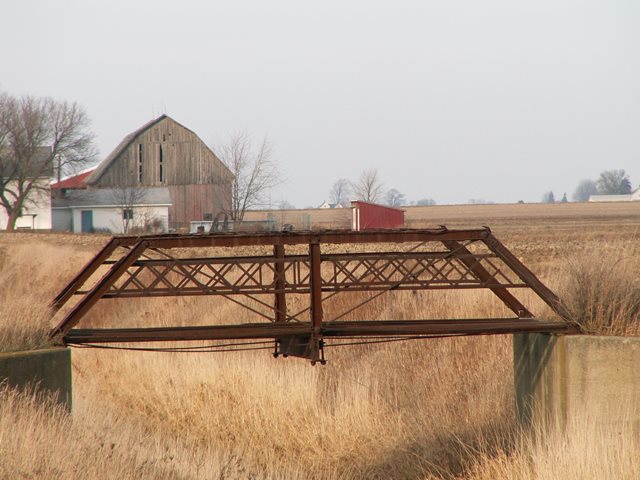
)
(273, 274)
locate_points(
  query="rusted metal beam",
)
(353, 272)
(315, 284)
(301, 238)
(528, 277)
(483, 326)
(325, 257)
(84, 305)
(89, 269)
(398, 328)
(169, 241)
(280, 284)
(484, 276)
(360, 287)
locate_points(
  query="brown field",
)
(423, 409)
(504, 216)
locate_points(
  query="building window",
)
(160, 164)
(207, 217)
(139, 163)
(127, 214)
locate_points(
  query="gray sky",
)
(449, 99)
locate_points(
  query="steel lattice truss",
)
(372, 261)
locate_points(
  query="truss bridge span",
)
(287, 280)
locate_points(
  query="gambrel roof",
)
(76, 181)
(128, 140)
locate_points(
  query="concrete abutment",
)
(47, 370)
(559, 379)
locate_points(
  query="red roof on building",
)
(74, 182)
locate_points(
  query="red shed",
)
(370, 216)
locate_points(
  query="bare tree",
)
(340, 192)
(284, 204)
(126, 198)
(614, 182)
(426, 201)
(368, 187)
(255, 172)
(38, 136)
(395, 198)
(584, 190)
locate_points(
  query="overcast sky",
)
(453, 100)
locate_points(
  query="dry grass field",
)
(423, 409)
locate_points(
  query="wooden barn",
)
(164, 153)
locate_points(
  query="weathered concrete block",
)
(560, 378)
(49, 370)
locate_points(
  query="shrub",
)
(602, 291)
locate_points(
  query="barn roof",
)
(122, 146)
(357, 203)
(127, 141)
(74, 181)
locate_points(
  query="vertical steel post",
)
(315, 280)
(280, 297)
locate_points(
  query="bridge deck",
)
(363, 328)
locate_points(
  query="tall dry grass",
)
(601, 288)
(386, 412)
(372, 412)
(31, 273)
(584, 450)
(39, 440)
(428, 409)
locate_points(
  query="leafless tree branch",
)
(340, 192)
(28, 124)
(127, 197)
(368, 188)
(255, 172)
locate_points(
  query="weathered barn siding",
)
(197, 202)
(165, 153)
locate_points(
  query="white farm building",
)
(107, 210)
(630, 197)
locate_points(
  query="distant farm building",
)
(107, 210)
(361, 216)
(326, 204)
(631, 197)
(160, 156)
(369, 216)
(164, 153)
